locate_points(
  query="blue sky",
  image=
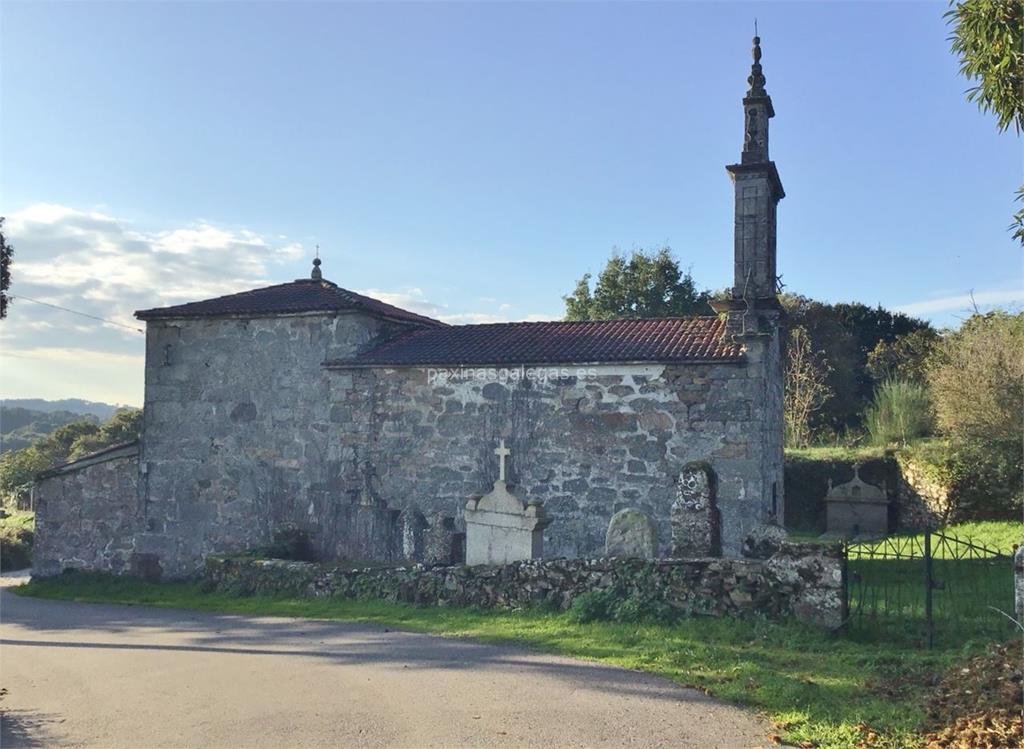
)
(472, 160)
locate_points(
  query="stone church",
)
(308, 406)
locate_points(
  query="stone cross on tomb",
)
(502, 452)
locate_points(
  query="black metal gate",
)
(927, 588)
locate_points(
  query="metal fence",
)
(928, 588)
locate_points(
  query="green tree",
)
(645, 284)
(976, 376)
(6, 258)
(845, 334)
(904, 358)
(988, 39)
(124, 426)
(18, 469)
(59, 445)
(977, 379)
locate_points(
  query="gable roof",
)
(687, 339)
(303, 295)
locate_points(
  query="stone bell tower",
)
(754, 297)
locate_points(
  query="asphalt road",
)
(96, 675)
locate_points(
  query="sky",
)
(472, 160)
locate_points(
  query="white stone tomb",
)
(499, 527)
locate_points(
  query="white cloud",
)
(415, 300)
(103, 266)
(964, 302)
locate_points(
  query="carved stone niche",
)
(695, 520)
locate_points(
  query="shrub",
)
(900, 413)
(15, 547)
(593, 606)
(615, 606)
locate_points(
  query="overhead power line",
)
(80, 314)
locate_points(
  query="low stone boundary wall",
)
(800, 580)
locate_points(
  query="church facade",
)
(307, 406)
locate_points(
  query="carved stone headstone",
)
(696, 529)
(631, 534)
(411, 527)
(500, 528)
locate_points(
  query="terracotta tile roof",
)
(303, 295)
(691, 339)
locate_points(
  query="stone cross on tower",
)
(502, 452)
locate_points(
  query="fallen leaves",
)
(980, 705)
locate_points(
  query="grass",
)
(836, 453)
(998, 535)
(814, 687)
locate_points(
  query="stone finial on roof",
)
(756, 79)
(316, 275)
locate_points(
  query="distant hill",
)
(27, 420)
(101, 411)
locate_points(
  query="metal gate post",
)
(929, 583)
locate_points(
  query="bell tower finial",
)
(758, 191)
(316, 275)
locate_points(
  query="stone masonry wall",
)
(923, 502)
(87, 518)
(804, 581)
(237, 435)
(246, 432)
(589, 444)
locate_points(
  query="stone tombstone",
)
(856, 508)
(631, 534)
(440, 541)
(412, 527)
(499, 527)
(696, 526)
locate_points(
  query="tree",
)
(125, 425)
(988, 37)
(977, 379)
(59, 446)
(18, 469)
(6, 255)
(904, 358)
(806, 389)
(645, 284)
(845, 334)
(977, 385)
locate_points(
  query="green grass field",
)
(813, 686)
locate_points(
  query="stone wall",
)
(804, 581)
(237, 437)
(923, 500)
(588, 444)
(87, 514)
(246, 433)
